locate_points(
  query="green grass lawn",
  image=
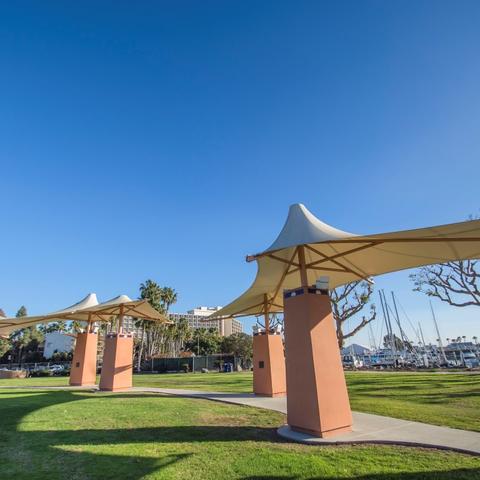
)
(451, 400)
(241, 382)
(81, 435)
(440, 399)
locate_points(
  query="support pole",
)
(266, 309)
(303, 268)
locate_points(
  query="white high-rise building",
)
(197, 319)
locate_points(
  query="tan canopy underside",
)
(88, 310)
(345, 257)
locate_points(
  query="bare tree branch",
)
(347, 301)
(456, 283)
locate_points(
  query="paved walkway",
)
(367, 428)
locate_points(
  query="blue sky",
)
(167, 139)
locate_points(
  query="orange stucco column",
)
(269, 377)
(317, 400)
(84, 362)
(117, 362)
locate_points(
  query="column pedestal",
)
(84, 362)
(317, 401)
(269, 377)
(117, 363)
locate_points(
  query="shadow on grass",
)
(52, 454)
(61, 453)
(458, 474)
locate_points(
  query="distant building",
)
(356, 349)
(230, 326)
(461, 346)
(197, 319)
(57, 342)
(130, 327)
(2, 314)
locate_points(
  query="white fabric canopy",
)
(345, 257)
(8, 325)
(87, 309)
(121, 305)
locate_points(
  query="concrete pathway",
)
(367, 428)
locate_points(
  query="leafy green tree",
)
(62, 356)
(5, 346)
(60, 326)
(25, 342)
(239, 345)
(17, 338)
(204, 342)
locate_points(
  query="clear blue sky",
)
(166, 140)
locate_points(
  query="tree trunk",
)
(140, 350)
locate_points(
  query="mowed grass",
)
(238, 382)
(451, 400)
(441, 399)
(81, 435)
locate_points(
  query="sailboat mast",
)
(421, 334)
(438, 333)
(388, 324)
(373, 343)
(397, 318)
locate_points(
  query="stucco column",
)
(84, 362)
(269, 377)
(117, 362)
(317, 399)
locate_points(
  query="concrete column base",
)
(84, 362)
(269, 378)
(317, 401)
(117, 363)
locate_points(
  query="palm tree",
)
(168, 297)
(151, 291)
(182, 334)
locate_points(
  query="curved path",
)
(367, 428)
